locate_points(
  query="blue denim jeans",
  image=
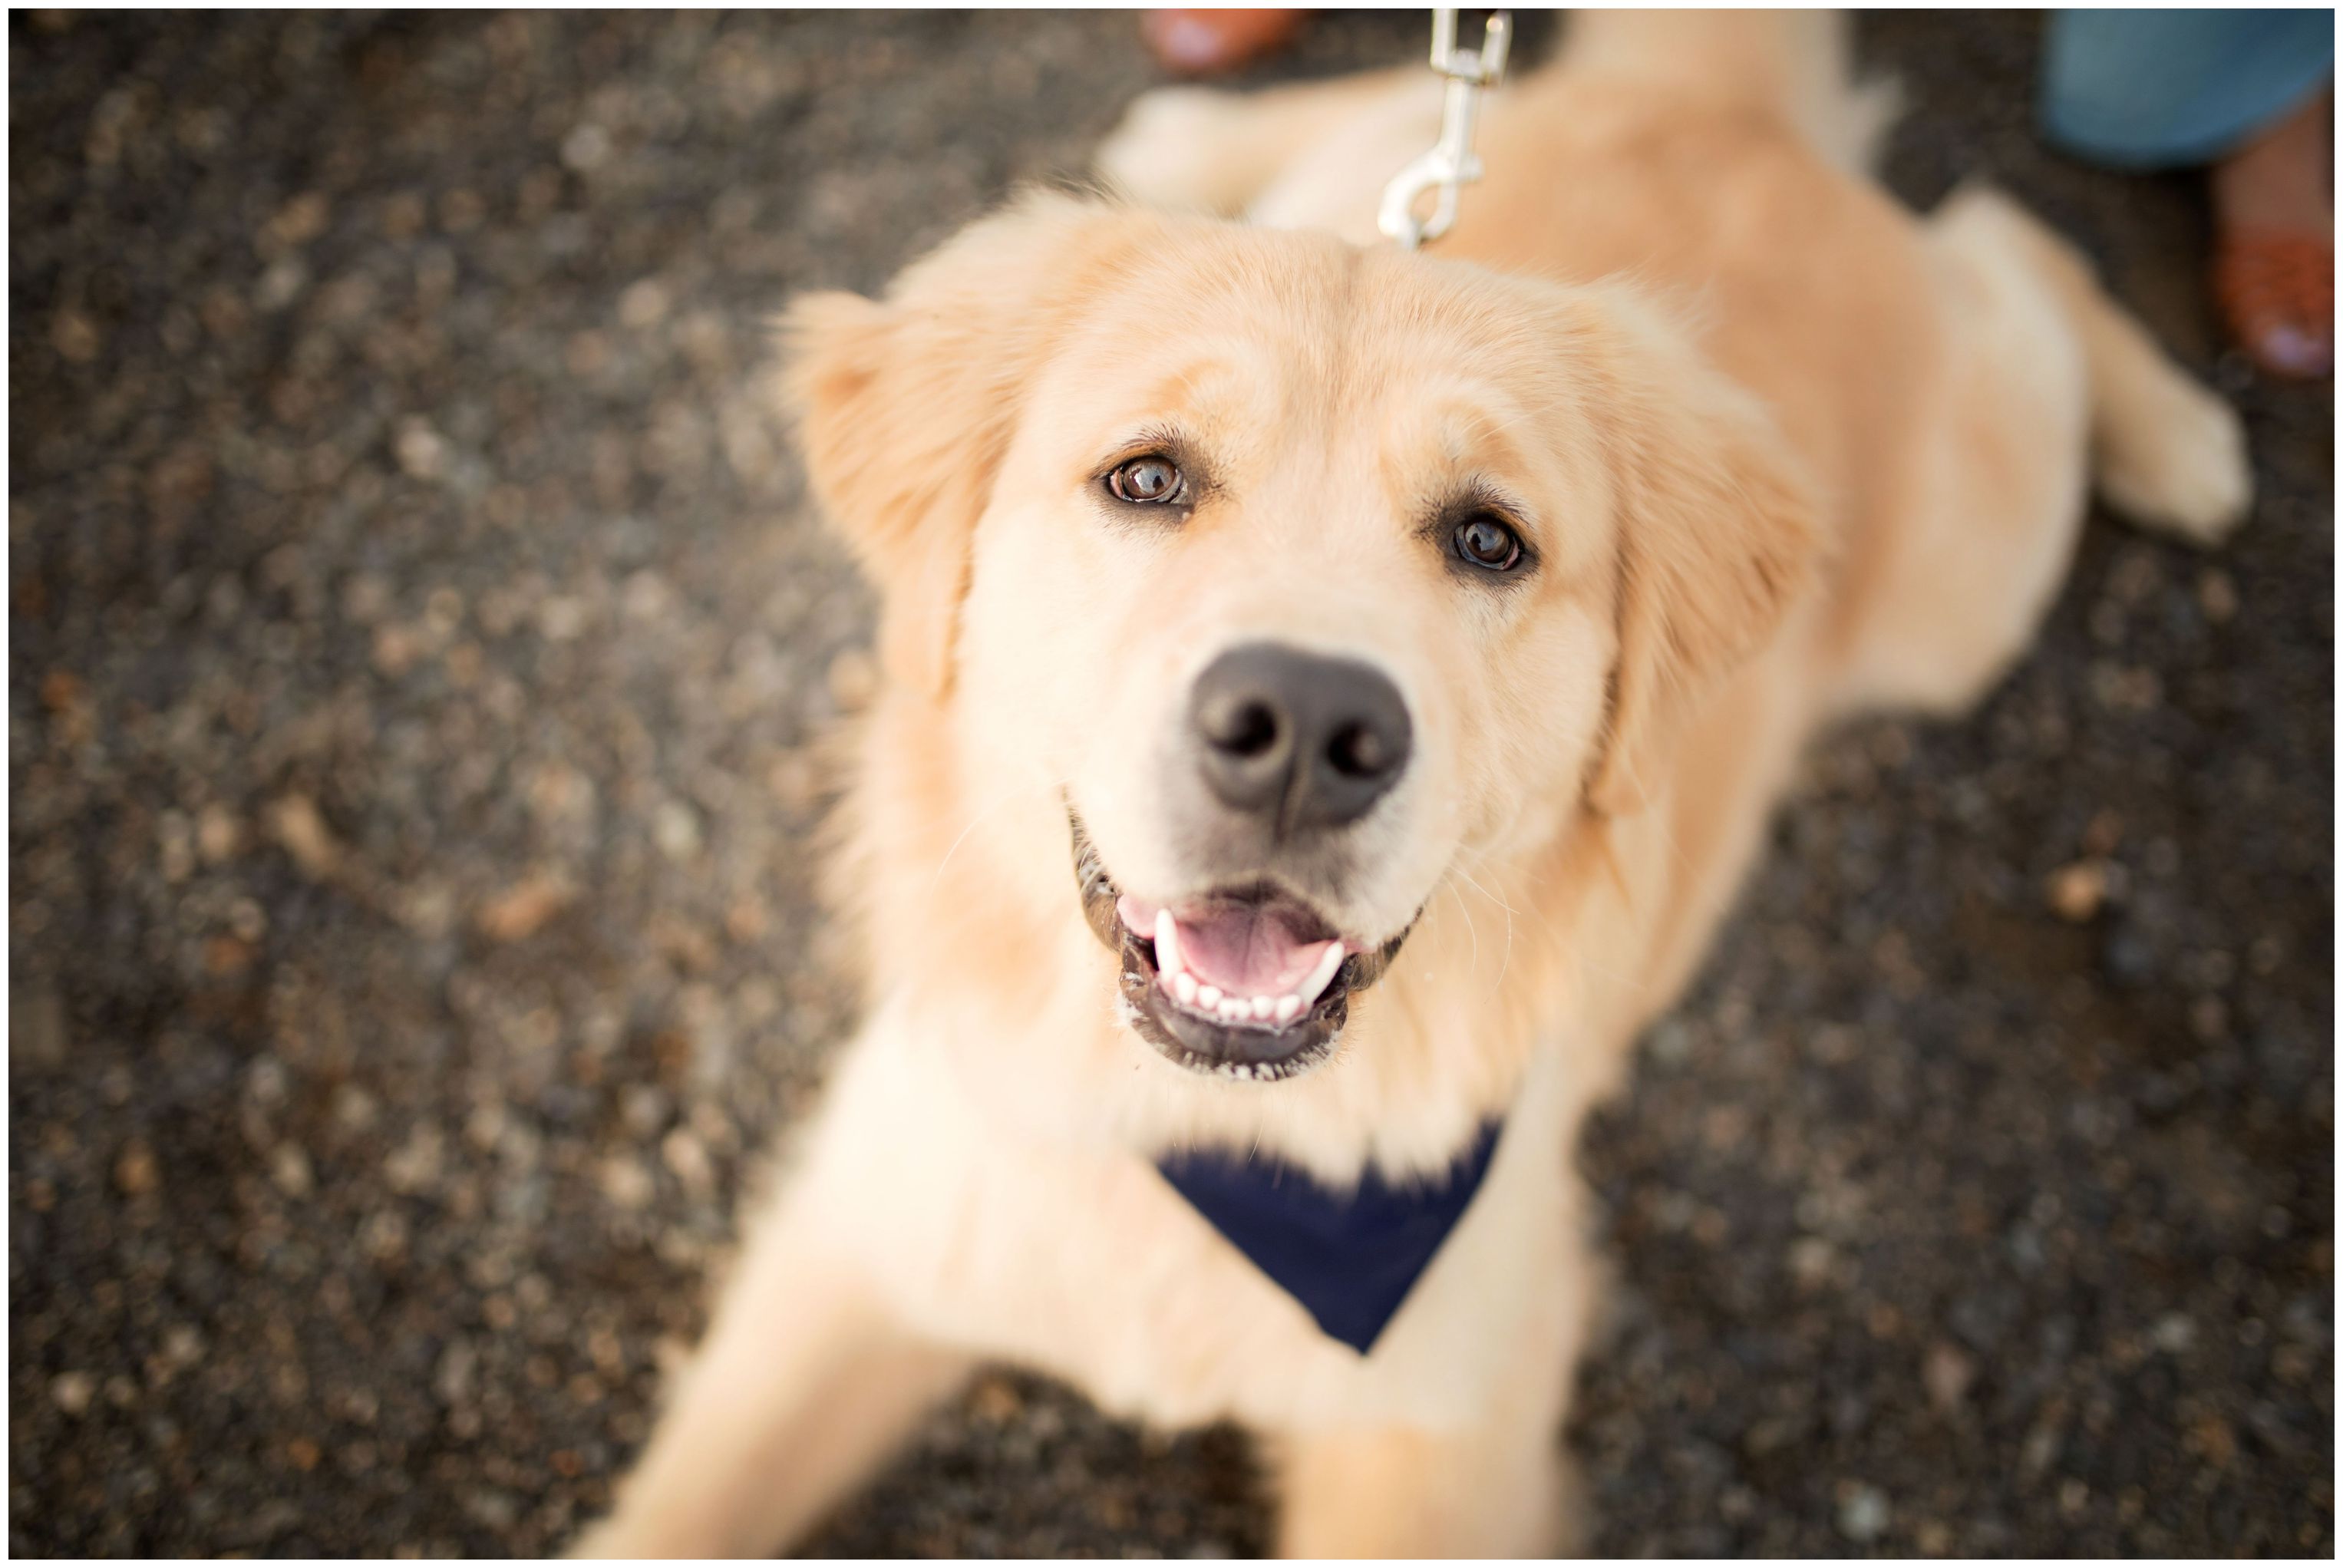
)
(2159, 89)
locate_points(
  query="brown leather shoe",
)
(1206, 43)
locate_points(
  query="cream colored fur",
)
(1788, 451)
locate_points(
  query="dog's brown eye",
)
(1147, 479)
(1488, 543)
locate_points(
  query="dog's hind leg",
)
(1204, 150)
(2168, 453)
(805, 1385)
(2045, 380)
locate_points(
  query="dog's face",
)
(1305, 577)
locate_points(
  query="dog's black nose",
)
(1303, 740)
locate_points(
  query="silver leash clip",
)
(1451, 163)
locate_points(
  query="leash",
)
(1451, 163)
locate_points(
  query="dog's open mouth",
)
(1243, 981)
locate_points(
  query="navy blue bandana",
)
(1350, 1259)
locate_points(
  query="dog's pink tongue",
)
(1245, 951)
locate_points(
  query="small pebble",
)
(75, 336)
(523, 908)
(1863, 1513)
(675, 828)
(1947, 1372)
(2077, 891)
(302, 833)
(2216, 595)
(218, 834)
(421, 452)
(626, 1183)
(136, 1170)
(289, 1171)
(72, 1391)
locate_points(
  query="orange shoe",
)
(2275, 288)
(1205, 43)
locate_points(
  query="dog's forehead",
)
(1255, 325)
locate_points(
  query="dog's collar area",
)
(1349, 1259)
(1282, 1026)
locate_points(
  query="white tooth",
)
(1233, 1007)
(1207, 997)
(1167, 943)
(1183, 986)
(1287, 1006)
(1318, 978)
(1262, 1006)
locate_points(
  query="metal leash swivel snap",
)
(1451, 163)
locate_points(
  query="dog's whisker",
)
(1470, 930)
(1004, 798)
(1504, 965)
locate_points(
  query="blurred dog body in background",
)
(1180, 526)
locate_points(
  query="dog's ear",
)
(906, 404)
(1717, 537)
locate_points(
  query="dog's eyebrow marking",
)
(1469, 444)
(1465, 437)
(1479, 433)
(1205, 389)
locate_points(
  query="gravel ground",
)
(416, 640)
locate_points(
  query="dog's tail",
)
(1799, 63)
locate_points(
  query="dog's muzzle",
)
(1245, 981)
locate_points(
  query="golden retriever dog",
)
(1330, 695)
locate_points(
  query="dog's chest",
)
(1090, 1265)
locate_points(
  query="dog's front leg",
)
(805, 1383)
(1496, 1483)
(1502, 1491)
